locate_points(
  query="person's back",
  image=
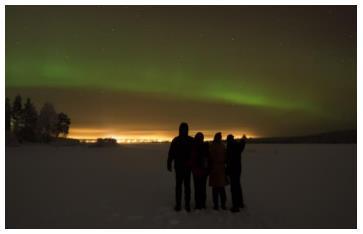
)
(199, 163)
(200, 152)
(180, 153)
(234, 151)
(217, 155)
(217, 172)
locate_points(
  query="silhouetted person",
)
(234, 168)
(200, 170)
(217, 175)
(180, 152)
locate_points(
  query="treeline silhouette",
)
(26, 124)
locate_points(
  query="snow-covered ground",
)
(285, 186)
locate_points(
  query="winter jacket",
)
(217, 163)
(180, 152)
(234, 151)
(199, 160)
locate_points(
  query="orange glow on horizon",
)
(137, 136)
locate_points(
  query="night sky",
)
(138, 71)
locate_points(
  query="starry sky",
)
(138, 71)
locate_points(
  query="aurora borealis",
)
(138, 71)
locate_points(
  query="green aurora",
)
(278, 59)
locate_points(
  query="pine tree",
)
(63, 124)
(17, 116)
(7, 114)
(47, 122)
(30, 121)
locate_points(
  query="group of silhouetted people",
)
(221, 163)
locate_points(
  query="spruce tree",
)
(47, 122)
(63, 124)
(7, 114)
(17, 116)
(30, 121)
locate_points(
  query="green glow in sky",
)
(60, 74)
(274, 59)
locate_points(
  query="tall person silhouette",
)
(234, 168)
(217, 173)
(199, 161)
(180, 153)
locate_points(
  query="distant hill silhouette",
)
(337, 137)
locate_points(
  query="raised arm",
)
(242, 143)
